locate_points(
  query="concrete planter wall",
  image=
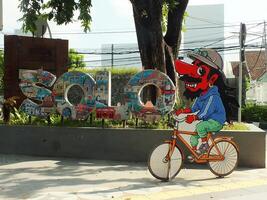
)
(112, 144)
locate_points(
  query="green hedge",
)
(254, 113)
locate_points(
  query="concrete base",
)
(113, 144)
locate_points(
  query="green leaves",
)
(61, 11)
(84, 7)
(164, 20)
(30, 12)
(169, 6)
(256, 113)
(75, 59)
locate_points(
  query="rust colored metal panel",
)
(61, 49)
(31, 53)
(11, 63)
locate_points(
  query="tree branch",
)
(174, 26)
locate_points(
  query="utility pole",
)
(242, 39)
(112, 59)
(265, 45)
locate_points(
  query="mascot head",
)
(202, 73)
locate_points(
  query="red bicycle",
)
(167, 159)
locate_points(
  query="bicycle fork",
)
(172, 144)
(167, 158)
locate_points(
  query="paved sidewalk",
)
(39, 178)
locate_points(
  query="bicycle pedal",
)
(190, 159)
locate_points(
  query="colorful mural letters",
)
(103, 87)
(29, 79)
(76, 94)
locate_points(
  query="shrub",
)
(256, 113)
(76, 60)
(236, 126)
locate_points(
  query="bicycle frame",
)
(177, 135)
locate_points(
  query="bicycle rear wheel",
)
(231, 155)
(162, 168)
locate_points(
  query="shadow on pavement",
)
(24, 176)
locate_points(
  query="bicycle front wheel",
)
(229, 150)
(162, 168)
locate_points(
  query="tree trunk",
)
(158, 52)
(173, 41)
(173, 35)
(147, 17)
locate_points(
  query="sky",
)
(116, 15)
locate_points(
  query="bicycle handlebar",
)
(179, 119)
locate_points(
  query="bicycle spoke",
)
(161, 168)
(227, 165)
(226, 148)
(232, 150)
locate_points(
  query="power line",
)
(213, 27)
(258, 56)
(219, 41)
(115, 59)
(221, 48)
(209, 40)
(135, 50)
(92, 33)
(223, 23)
(204, 20)
(254, 39)
(133, 31)
(255, 25)
(118, 65)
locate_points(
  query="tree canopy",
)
(61, 11)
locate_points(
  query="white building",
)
(257, 92)
(256, 68)
(204, 27)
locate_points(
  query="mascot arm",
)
(191, 118)
(185, 110)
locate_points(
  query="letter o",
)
(73, 93)
(164, 102)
